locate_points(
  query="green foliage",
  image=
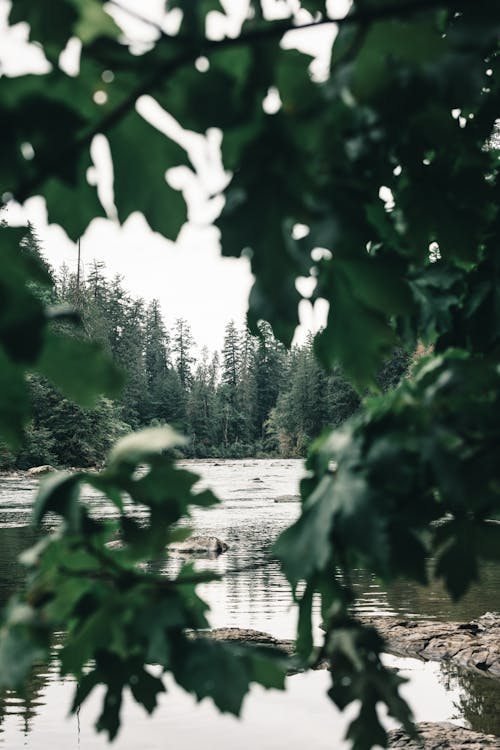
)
(87, 578)
(29, 343)
(390, 165)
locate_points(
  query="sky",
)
(190, 278)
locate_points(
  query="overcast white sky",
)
(190, 278)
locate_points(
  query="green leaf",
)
(298, 94)
(217, 97)
(93, 21)
(304, 643)
(86, 19)
(146, 688)
(209, 669)
(266, 668)
(95, 633)
(304, 547)
(194, 14)
(223, 671)
(22, 318)
(351, 320)
(314, 6)
(53, 31)
(140, 447)
(71, 201)
(141, 157)
(79, 368)
(109, 720)
(392, 42)
(14, 401)
(457, 563)
(85, 685)
(57, 493)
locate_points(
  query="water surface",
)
(249, 520)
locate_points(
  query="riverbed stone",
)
(198, 545)
(287, 499)
(254, 637)
(37, 471)
(443, 736)
(473, 645)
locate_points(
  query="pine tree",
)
(269, 363)
(231, 356)
(157, 363)
(247, 384)
(182, 344)
(229, 392)
(202, 408)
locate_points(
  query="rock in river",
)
(287, 499)
(37, 471)
(471, 645)
(210, 545)
(443, 736)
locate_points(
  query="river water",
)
(249, 520)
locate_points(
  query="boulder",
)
(199, 545)
(471, 645)
(443, 736)
(247, 636)
(37, 471)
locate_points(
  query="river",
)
(249, 520)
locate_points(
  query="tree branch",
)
(197, 48)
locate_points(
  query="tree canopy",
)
(379, 180)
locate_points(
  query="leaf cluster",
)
(124, 625)
(380, 182)
(30, 340)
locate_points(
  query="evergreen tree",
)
(231, 356)
(182, 344)
(202, 408)
(269, 363)
(132, 359)
(93, 296)
(157, 363)
(232, 420)
(247, 384)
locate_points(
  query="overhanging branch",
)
(204, 47)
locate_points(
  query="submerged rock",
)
(37, 471)
(287, 499)
(443, 736)
(260, 639)
(245, 635)
(211, 545)
(472, 645)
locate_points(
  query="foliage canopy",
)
(409, 105)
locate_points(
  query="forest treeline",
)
(255, 398)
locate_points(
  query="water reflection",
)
(477, 698)
(256, 597)
(13, 540)
(21, 709)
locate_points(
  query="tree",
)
(182, 345)
(406, 111)
(157, 361)
(269, 371)
(233, 422)
(203, 408)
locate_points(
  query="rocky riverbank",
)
(443, 736)
(471, 645)
(433, 735)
